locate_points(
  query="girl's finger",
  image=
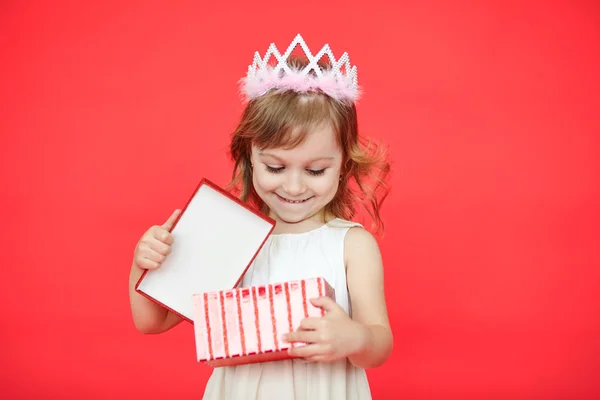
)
(146, 252)
(162, 235)
(308, 351)
(303, 336)
(310, 323)
(146, 263)
(317, 358)
(168, 225)
(159, 247)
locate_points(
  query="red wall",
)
(112, 112)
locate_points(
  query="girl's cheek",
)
(327, 185)
(265, 180)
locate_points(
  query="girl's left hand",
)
(327, 338)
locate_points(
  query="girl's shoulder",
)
(360, 247)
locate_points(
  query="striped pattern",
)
(233, 324)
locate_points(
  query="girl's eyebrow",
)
(281, 160)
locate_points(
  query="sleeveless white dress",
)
(286, 257)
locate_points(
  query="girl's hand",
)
(328, 338)
(154, 246)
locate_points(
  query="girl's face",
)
(296, 184)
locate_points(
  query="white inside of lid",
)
(214, 241)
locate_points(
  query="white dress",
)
(285, 257)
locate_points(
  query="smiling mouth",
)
(293, 201)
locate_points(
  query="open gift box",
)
(245, 325)
(216, 238)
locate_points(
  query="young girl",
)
(298, 157)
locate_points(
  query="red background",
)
(112, 112)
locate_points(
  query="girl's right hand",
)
(155, 245)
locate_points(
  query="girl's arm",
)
(148, 317)
(364, 269)
(150, 252)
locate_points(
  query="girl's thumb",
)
(172, 219)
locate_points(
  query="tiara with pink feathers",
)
(339, 82)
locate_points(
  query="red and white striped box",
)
(245, 325)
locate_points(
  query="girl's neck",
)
(306, 225)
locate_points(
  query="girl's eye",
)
(316, 172)
(274, 170)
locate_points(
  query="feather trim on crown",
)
(337, 84)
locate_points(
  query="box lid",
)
(216, 238)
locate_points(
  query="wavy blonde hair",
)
(283, 119)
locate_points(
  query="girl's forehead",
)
(321, 141)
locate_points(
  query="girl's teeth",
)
(294, 201)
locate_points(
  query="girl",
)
(298, 157)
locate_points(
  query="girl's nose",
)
(294, 184)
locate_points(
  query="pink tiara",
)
(339, 82)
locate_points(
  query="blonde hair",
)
(284, 119)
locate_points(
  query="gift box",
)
(245, 325)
